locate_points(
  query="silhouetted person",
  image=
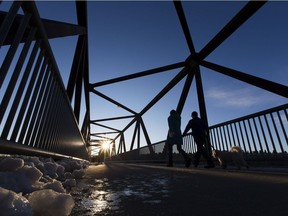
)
(199, 134)
(175, 137)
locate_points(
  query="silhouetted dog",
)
(235, 155)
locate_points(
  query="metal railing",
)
(262, 136)
(35, 113)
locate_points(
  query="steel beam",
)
(54, 29)
(110, 128)
(140, 74)
(161, 94)
(75, 67)
(115, 118)
(247, 11)
(183, 21)
(185, 91)
(112, 101)
(8, 20)
(270, 86)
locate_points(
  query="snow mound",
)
(50, 203)
(43, 183)
(11, 164)
(14, 204)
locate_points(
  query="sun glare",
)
(105, 145)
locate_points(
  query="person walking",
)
(199, 134)
(175, 137)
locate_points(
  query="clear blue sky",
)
(132, 36)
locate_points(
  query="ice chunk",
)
(78, 173)
(55, 185)
(50, 203)
(46, 179)
(60, 171)
(41, 167)
(32, 173)
(69, 183)
(11, 164)
(68, 175)
(14, 204)
(25, 179)
(50, 168)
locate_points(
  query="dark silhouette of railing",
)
(262, 136)
(35, 115)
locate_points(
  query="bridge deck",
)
(146, 189)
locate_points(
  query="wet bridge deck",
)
(146, 189)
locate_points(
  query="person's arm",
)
(171, 127)
(186, 129)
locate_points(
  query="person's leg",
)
(207, 157)
(185, 155)
(202, 151)
(197, 157)
(170, 154)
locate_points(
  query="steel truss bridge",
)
(40, 116)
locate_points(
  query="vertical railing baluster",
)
(237, 135)
(215, 138)
(15, 76)
(32, 96)
(229, 136)
(233, 137)
(18, 96)
(219, 138)
(27, 70)
(242, 136)
(33, 124)
(247, 137)
(270, 134)
(40, 138)
(258, 136)
(12, 50)
(263, 134)
(33, 106)
(286, 114)
(252, 136)
(277, 133)
(225, 138)
(282, 126)
(38, 122)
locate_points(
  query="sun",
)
(105, 145)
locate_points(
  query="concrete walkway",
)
(146, 189)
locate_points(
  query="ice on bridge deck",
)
(146, 189)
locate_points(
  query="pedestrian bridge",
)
(41, 116)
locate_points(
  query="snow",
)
(32, 186)
(48, 202)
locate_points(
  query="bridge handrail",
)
(40, 114)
